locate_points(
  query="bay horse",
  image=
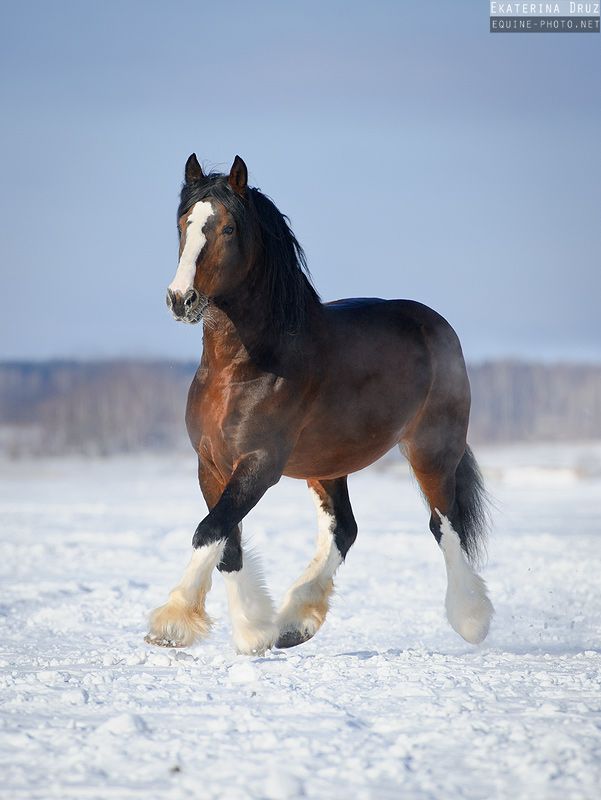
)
(290, 386)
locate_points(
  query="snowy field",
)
(385, 702)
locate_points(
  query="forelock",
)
(213, 186)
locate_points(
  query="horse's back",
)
(401, 334)
(407, 313)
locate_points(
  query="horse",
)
(288, 385)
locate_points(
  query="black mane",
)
(287, 281)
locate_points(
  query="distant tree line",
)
(93, 408)
(100, 408)
(514, 401)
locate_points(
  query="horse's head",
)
(212, 257)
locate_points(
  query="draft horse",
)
(290, 386)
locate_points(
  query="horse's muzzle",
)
(186, 307)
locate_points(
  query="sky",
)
(416, 154)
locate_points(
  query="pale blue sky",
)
(416, 154)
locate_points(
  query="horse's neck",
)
(223, 342)
(242, 332)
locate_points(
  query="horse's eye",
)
(228, 229)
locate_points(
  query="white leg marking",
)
(469, 609)
(183, 619)
(307, 601)
(194, 242)
(251, 608)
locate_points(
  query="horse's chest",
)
(221, 415)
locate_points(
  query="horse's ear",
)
(238, 177)
(193, 171)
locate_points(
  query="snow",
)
(385, 702)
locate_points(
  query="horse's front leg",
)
(216, 542)
(251, 608)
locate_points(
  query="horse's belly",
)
(350, 434)
(334, 462)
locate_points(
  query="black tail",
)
(472, 505)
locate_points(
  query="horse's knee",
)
(207, 533)
(231, 560)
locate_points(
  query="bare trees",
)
(99, 408)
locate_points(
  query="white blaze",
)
(195, 241)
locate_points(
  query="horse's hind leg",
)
(307, 601)
(453, 488)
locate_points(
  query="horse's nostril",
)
(191, 298)
(183, 306)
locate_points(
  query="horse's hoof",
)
(292, 639)
(157, 641)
